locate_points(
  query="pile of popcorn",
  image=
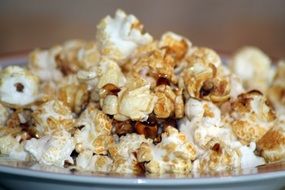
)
(127, 103)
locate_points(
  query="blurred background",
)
(224, 25)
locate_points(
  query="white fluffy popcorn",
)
(203, 125)
(124, 153)
(18, 86)
(77, 55)
(43, 64)
(13, 148)
(174, 154)
(248, 158)
(86, 160)
(217, 159)
(118, 37)
(96, 132)
(52, 149)
(254, 68)
(221, 157)
(236, 86)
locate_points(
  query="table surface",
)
(221, 24)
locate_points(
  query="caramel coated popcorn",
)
(127, 103)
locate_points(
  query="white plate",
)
(29, 175)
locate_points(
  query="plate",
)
(30, 175)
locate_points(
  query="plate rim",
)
(134, 180)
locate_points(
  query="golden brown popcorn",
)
(271, 145)
(77, 55)
(4, 115)
(205, 55)
(124, 153)
(52, 116)
(204, 77)
(254, 68)
(252, 116)
(43, 64)
(122, 127)
(18, 87)
(47, 90)
(169, 102)
(75, 96)
(176, 46)
(174, 154)
(120, 36)
(87, 161)
(276, 91)
(96, 132)
(155, 65)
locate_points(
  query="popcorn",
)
(110, 73)
(133, 101)
(172, 155)
(4, 114)
(248, 158)
(277, 88)
(155, 65)
(97, 163)
(217, 159)
(52, 116)
(75, 96)
(203, 78)
(129, 104)
(175, 45)
(236, 86)
(43, 64)
(221, 158)
(169, 102)
(204, 125)
(12, 147)
(124, 153)
(119, 37)
(18, 87)
(52, 149)
(271, 145)
(96, 132)
(252, 116)
(253, 67)
(205, 55)
(77, 55)
(105, 72)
